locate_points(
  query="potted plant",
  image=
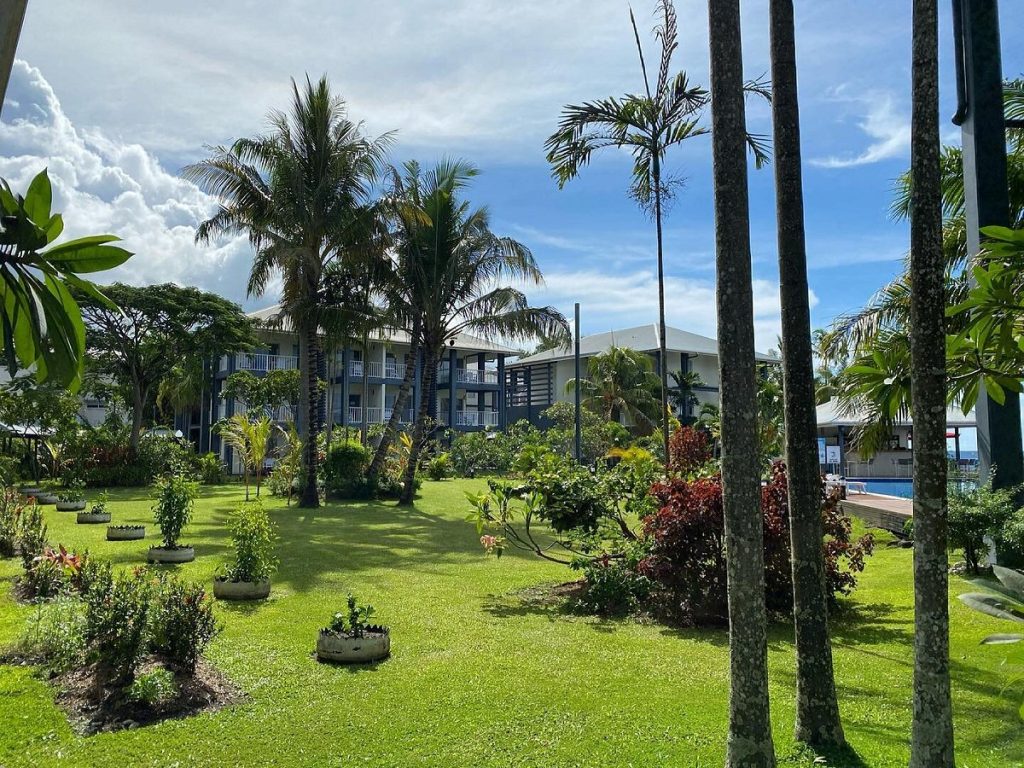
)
(351, 640)
(71, 498)
(175, 499)
(98, 513)
(253, 535)
(46, 495)
(126, 532)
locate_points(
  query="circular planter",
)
(126, 532)
(30, 490)
(71, 506)
(241, 590)
(177, 555)
(374, 645)
(92, 518)
(46, 498)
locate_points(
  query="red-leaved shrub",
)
(689, 449)
(686, 559)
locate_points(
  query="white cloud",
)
(103, 185)
(885, 121)
(609, 302)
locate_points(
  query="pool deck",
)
(878, 511)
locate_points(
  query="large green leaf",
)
(991, 605)
(87, 254)
(1002, 639)
(38, 200)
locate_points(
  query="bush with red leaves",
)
(686, 539)
(689, 450)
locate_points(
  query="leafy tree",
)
(817, 706)
(304, 194)
(40, 318)
(155, 327)
(668, 112)
(259, 393)
(620, 381)
(931, 742)
(749, 742)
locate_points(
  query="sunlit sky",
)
(115, 97)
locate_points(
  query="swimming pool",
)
(888, 487)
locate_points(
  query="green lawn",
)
(478, 676)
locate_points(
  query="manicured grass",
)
(479, 676)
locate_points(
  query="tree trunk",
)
(392, 423)
(138, 404)
(662, 345)
(430, 364)
(750, 733)
(309, 344)
(932, 731)
(817, 709)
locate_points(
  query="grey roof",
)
(643, 338)
(463, 341)
(830, 415)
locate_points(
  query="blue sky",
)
(116, 97)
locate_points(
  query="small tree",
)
(175, 499)
(251, 439)
(253, 535)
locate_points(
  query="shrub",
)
(612, 586)
(53, 571)
(689, 451)
(572, 497)
(440, 467)
(253, 535)
(175, 498)
(54, 634)
(345, 470)
(687, 548)
(183, 622)
(11, 508)
(31, 535)
(354, 622)
(152, 688)
(117, 622)
(210, 469)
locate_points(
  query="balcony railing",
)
(246, 361)
(467, 375)
(473, 419)
(376, 416)
(375, 369)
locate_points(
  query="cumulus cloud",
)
(104, 185)
(884, 119)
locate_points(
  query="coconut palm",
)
(681, 392)
(749, 742)
(620, 381)
(303, 193)
(455, 267)
(250, 438)
(817, 707)
(931, 740)
(667, 113)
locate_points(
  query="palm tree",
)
(817, 708)
(620, 381)
(749, 742)
(251, 439)
(681, 393)
(454, 267)
(303, 194)
(931, 742)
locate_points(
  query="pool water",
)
(901, 488)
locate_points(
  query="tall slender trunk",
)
(404, 391)
(932, 732)
(750, 732)
(662, 344)
(430, 364)
(817, 708)
(138, 405)
(309, 344)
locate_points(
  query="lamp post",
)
(983, 126)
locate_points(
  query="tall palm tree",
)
(750, 732)
(931, 742)
(620, 381)
(454, 267)
(817, 708)
(303, 193)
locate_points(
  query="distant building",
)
(536, 382)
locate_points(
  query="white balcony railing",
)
(467, 375)
(473, 419)
(248, 361)
(375, 369)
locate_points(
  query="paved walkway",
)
(888, 512)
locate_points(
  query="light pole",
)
(983, 126)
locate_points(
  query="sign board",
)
(833, 454)
(821, 450)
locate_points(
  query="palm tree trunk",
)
(817, 709)
(419, 432)
(662, 344)
(308, 354)
(391, 430)
(932, 732)
(138, 405)
(750, 732)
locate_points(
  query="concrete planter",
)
(177, 555)
(126, 532)
(241, 590)
(46, 498)
(92, 518)
(71, 506)
(374, 645)
(30, 490)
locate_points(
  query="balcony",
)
(375, 369)
(376, 416)
(473, 419)
(467, 375)
(247, 361)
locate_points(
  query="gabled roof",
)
(270, 317)
(830, 415)
(643, 338)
